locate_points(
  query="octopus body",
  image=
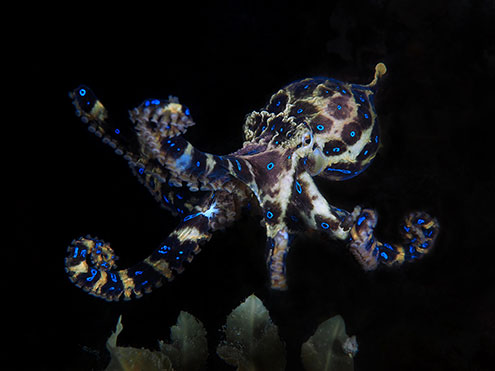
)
(315, 127)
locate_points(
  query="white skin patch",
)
(212, 210)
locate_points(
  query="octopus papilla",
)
(314, 127)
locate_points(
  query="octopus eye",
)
(307, 138)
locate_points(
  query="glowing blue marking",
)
(411, 249)
(320, 127)
(166, 199)
(281, 130)
(306, 86)
(366, 115)
(75, 252)
(352, 133)
(187, 112)
(117, 131)
(183, 161)
(269, 214)
(198, 164)
(384, 255)
(144, 283)
(191, 216)
(388, 246)
(420, 221)
(238, 165)
(325, 225)
(138, 273)
(343, 91)
(376, 139)
(299, 110)
(339, 107)
(82, 92)
(155, 102)
(113, 277)
(362, 99)
(181, 252)
(179, 196)
(270, 166)
(83, 253)
(164, 249)
(172, 144)
(278, 103)
(288, 157)
(407, 229)
(344, 171)
(361, 220)
(147, 103)
(298, 187)
(141, 170)
(93, 274)
(424, 245)
(336, 149)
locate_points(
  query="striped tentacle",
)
(419, 232)
(90, 262)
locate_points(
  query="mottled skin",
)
(313, 127)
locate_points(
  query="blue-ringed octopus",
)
(314, 127)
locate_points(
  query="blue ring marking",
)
(94, 272)
(325, 225)
(361, 220)
(238, 165)
(298, 187)
(117, 131)
(141, 170)
(82, 92)
(83, 253)
(270, 166)
(336, 149)
(299, 110)
(384, 255)
(269, 214)
(420, 221)
(339, 107)
(352, 133)
(155, 102)
(320, 127)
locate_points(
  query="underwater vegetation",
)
(251, 343)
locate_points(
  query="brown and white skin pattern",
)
(313, 127)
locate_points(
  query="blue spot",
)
(388, 246)
(263, 128)
(147, 103)
(376, 139)
(362, 99)
(75, 252)
(420, 221)
(172, 144)
(141, 170)
(339, 107)
(365, 153)
(336, 149)
(117, 131)
(269, 214)
(164, 249)
(424, 245)
(113, 277)
(407, 229)
(352, 133)
(155, 102)
(82, 92)
(325, 225)
(270, 166)
(281, 130)
(288, 157)
(384, 255)
(306, 86)
(298, 187)
(179, 196)
(299, 110)
(187, 112)
(320, 127)
(198, 163)
(238, 165)
(181, 252)
(343, 91)
(166, 199)
(138, 273)
(361, 220)
(144, 283)
(412, 250)
(366, 115)
(278, 103)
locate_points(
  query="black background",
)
(223, 61)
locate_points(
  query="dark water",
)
(435, 109)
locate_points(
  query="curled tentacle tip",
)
(380, 70)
